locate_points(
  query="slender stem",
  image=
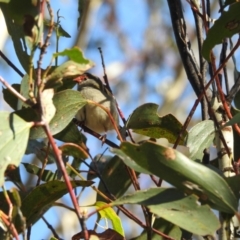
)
(50, 227)
(16, 93)
(63, 169)
(11, 64)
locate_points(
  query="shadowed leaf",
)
(226, 26)
(185, 174)
(173, 206)
(145, 120)
(14, 133)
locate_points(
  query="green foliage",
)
(162, 226)
(44, 195)
(110, 214)
(226, 26)
(73, 101)
(200, 137)
(145, 120)
(171, 204)
(181, 172)
(14, 135)
(44, 105)
(115, 177)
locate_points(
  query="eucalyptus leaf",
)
(163, 226)
(11, 99)
(13, 140)
(226, 26)
(111, 215)
(174, 206)
(235, 119)
(145, 120)
(67, 104)
(115, 177)
(183, 173)
(71, 134)
(69, 69)
(46, 175)
(44, 195)
(200, 137)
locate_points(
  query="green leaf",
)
(67, 104)
(237, 100)
(111, 215)
(16, 197)
(33, 30)
(75, 54)
(183, 173)
(11, 99)
(58, 28)
(37, 201)
(16, 10)
(116, 177)
(233, 182)
(28, 114)
(69, 69)
(45, 195)
(173, 206)
(14, 13)
(13, 140)
(71, 134)
(98, 165)
(235, 119)
(62, 33)
(24, 91)
(200, 137)
(145, 120)
(46, 176)
(226, 26)
(163, 226)
(228, 2)
(41, 150)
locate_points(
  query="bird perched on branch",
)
(93, 117)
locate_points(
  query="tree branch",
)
(184, 47)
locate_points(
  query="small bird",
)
(93, 117)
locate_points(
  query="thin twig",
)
(43, 165)
(11, 64)
(51, 228)
(202, 94)
(16, 93)
(63, 169)
(95, 134)
(122, 208)
(40, 84)
(105, 77)
(104, 71)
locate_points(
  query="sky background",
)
(141, 62)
